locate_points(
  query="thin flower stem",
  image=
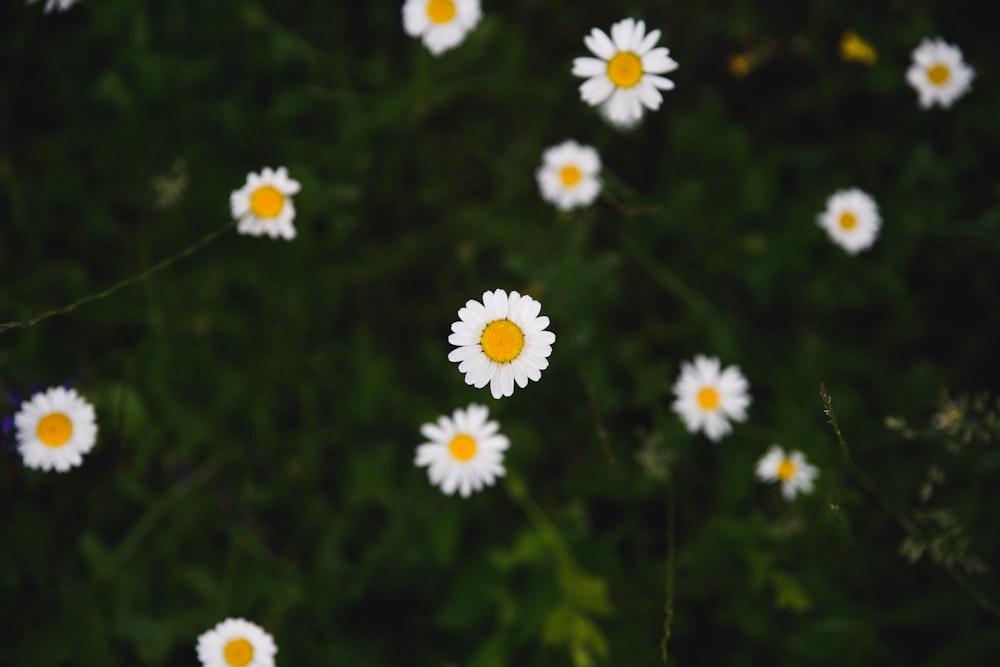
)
(536, 516)
(668, 617)
(121, 284)
(602, 432)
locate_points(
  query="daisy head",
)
(707, 398)
(57, 5)
(54, 429)
(625, 74)
(501, 340)
(463, 452)
(938, 73)
(264, 204)
(791, 469)
(236, 642)
(851, 219)
(568, 175)
(441, 24)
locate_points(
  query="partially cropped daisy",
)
(442, 24)
(501, 340)
(791, 469)
(568, 175)
(707, 398)
(264, 204)
(938, 73)
(624, 75)
(851, 219)
(57, 5)
(236, 642)
(463, 452)
(55, 428)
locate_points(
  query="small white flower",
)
(55, 428)
(624, 76)
(464, 452)
(938, 73)
(791, 469)
(442, 24)
(59, 5)
(264, 204)
(706, 399)
(236, 642)
(568, 175)
(851, 219)
(500, 341)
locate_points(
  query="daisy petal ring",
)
(707, 398)
(463, 452)
(236, 642)
(264, 204)
(55, 428)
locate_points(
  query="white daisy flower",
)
(58, 5)
(464, 452)
(55, 428)
(851, 219)
(706, 399)
(568, 175)
(442, 24)
(264, 204)
(624, 74)
(938, 73)
(501, 341)
(236, 642)
(791, 469)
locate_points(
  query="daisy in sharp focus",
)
(938, 73)
(500, 341)
(791, 469)
(464, 452)
(236, 642)
(707, 398)
(851, 219)
(568, 175)
(54, 429)
(624, 75)
(442, 24)
(58, 5)
(264, 204)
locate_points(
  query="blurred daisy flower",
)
(568, 175)
(500, 341)
(791, 469)
(54, 429)
(442, 24)
(707, 398)
(464, 452)
(851, 219)
(59, 5)
(236, 642)
(624, 76)
(264, 204)
(938, 73)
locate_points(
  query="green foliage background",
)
(259, 401)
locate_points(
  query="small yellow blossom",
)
(855, 49)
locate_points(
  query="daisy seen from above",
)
(264, 204)
(851, 219)
(624, 77)
(796, 476)
(463, 452)
(568, 175)
(501, 340)
(55, 5)
(441, 24)
(707, 398)
(236, 642)
(938, 73)
(54, 429)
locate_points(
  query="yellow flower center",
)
(462, 447)
(238, 652)
(938, 74)
(441, 11)
(848, 221)
(708, 398)
(267, 202)
(502, 341)
(786, 470)
(625, 69)
(570, 175)
(54, 429)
